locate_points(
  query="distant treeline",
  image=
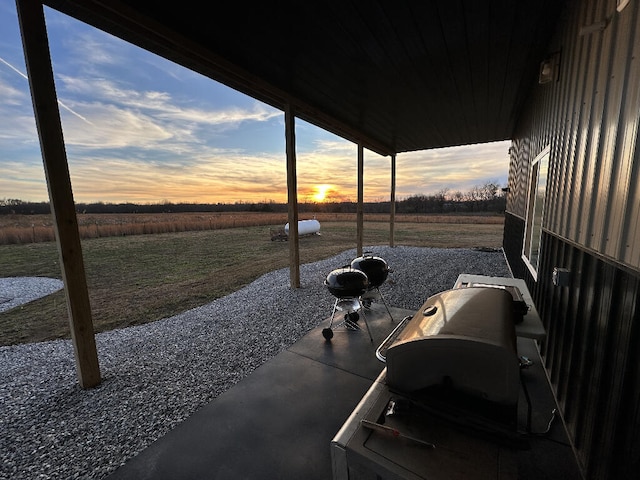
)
(483, 199)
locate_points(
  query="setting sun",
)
(321, 192)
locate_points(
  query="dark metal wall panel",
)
(512, 244)
(592, 338)
(591, 351)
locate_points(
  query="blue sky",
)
(141, 129)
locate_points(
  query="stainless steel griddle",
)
(445, 406)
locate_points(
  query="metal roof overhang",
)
(391, 76)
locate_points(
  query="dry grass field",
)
(135, 278)
(20, 229)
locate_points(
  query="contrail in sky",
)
(59, 102)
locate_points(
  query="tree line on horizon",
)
(487, 198)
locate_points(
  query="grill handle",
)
(381, 351)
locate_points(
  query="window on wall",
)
(535, 210)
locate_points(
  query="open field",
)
(137, 279)
(20, 229)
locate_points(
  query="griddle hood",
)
(462, 338)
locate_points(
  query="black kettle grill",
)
(377, 271)
(347, 285)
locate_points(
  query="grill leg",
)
(327, 333)
(366, 323)
(385, 304)
(333, 314)
(354, 326)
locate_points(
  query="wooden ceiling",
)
(394, 76)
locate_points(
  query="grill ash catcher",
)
(355, 286)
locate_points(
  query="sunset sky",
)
(141, 129)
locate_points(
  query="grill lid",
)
(374, 267)
(347, 282)
(463, 339)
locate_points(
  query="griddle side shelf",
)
(531, 325)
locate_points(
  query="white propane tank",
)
(305, 227)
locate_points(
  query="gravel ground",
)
(15, 291)
(156, 375)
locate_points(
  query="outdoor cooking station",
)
(445, 405)
(279, 422)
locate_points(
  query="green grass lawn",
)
(143, 278)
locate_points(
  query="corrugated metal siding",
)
(590, 117)
(592, 350)
(516, 184)
(593, 337)
(625, 199)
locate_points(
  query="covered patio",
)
(391, 79)
(279, 422)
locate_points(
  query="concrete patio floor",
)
(278, 422)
